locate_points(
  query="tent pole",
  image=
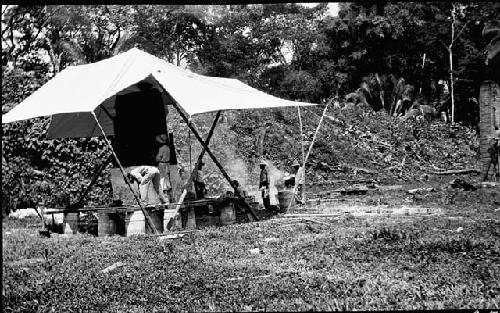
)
(198, 162)
(197, 135)
(308, 153)
(190, 151)
(303, 157)
(146, 215)
(94, 179)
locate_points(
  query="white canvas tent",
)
(81, 100)
(76, 93)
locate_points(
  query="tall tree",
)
(72, 34)
(170, 31)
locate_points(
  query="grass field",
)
(377, 262)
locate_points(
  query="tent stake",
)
(198, 137)
(146, 215)
(308, 153)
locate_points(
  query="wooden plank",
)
(130, 208)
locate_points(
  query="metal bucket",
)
(157, 218)
(135, 223)
(227, 214)
(188, 218)
(171, 220)
(106, 225)
(284, 198)
(255, 205)
(71, 223)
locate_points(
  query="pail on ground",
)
(189, 218)
(171, 220)
(284, 197)
(157, 218)
(227, 214)
(106, 224)
(71, 223)
(255, 205)
(53, 219)
(135, 223)
(213, 218)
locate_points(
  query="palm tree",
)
(489, 95)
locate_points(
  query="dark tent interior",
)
(140, 116)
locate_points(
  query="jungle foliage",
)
(286, 50)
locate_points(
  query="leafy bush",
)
(37, 170)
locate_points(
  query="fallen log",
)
(452, 172)
(24, 262)
(339, 181)
(354, 191)
(298, 220)
(391, 187)
(298, 215)
(363, 170)
(489, 184)
(322, 200)
(334, 120)
(315, 221)
(421, 190)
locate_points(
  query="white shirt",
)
(299, 176)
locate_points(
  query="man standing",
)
(264, 185)
(163, 159)
(493, 154)
(299, 180)
(199, 184)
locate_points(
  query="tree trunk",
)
(451, 87)
(303, 157)
(489, 118)
(54, 59)
(450, 52)
(260, 141)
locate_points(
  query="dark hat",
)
(162, 138)
(263, 163)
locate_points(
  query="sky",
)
(333, 7)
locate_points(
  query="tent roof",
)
(78, 91)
